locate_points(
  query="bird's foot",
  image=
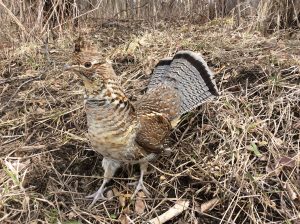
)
(98, 195)
(139, 186)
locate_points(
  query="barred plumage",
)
(189, 74)
(124, 132)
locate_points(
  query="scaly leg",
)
(140, 184)
(110, 167)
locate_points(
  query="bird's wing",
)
(154, 129)
(155, 110)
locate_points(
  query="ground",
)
(235, 159)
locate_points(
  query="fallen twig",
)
(177, 209)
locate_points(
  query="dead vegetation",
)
(234, 160)
(276, 15)
(35, 20)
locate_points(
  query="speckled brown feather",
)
(155, 110)
(127, 132)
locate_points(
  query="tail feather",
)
(190, 75)
(193, 79)
(159, 72)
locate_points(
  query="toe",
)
(91, 196)
(144, 189)
(97, 198)
(98, 195)
(147, 193)
(141, 187)
(135, 183)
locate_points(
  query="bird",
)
(127, 132)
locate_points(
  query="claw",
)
(140, 186)
(98, 195)
(110, 167)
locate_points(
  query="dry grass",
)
(242, 150)
(34, 20)
(277, 14)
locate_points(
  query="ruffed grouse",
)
(126, 132)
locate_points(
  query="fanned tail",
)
(159, 72)
(189, 74)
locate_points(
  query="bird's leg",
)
(140, 184)
(110, 167)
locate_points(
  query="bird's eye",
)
(88, 64)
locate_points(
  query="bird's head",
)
(92, 68)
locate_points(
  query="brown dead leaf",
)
(278, 141)
(227, 76)
(127, 210)
(122, 200)
(40, 110)
(207, 188)
(286, 161)
(290, 190)
(262, 143)
(124, 216)
(206, 127)
(209, 205)
(30, 73)
(33, 222)
(273, 171)
(269, 202)
(296, 126)
(109, 194)
(121, 197)
(162, 178)
(6, 87)
(116, 192)
(140, 204)
(124, 219)
(283, 161)
(71, 215)
(127, 195)
(264, 158)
